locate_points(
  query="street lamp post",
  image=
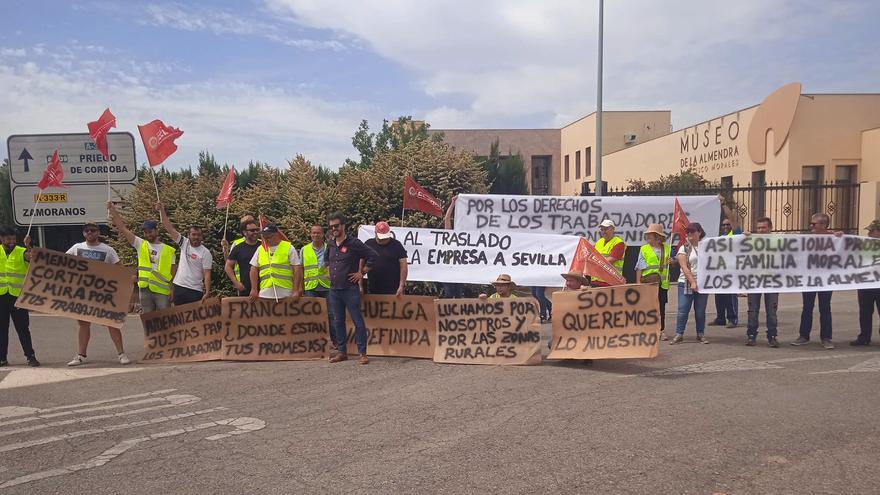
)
(599, 107)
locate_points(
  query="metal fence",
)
(789, 206)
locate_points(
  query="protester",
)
(544, 304)
(868, 299)
(316, 276)
(763, 226)
(727, 305)
(503, 288)
(192, 282)
(390, 269)
(343, 257)
(95, 250)
(652, 267)
(238, 260)
(818, 226)
(451, 290)
(610, 246)
(227, 248)
(276, 270)
(575, 281)
(688, 294)
(156, 263)
(13, 268)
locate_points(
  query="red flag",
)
(415, 197)
(158, 141)
(679, 222)
(98, 131)
(53, 175)
(263, 223)
(590, 262)
(224, 199)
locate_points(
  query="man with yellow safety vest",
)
(276, 269)
(156, 262)
(239, 259)
(13, 268)
(316, 275)
(653, 268)
(610, 246)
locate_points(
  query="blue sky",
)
(269, 79)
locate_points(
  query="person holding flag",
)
(612, 248)
(156, 262)
(13, 268)
(192, 282)
(276, 268)
(652, 267)
(95, 250)
(238, 260)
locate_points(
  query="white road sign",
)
(80, 159)
(74, 205)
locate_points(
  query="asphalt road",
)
(697, 419)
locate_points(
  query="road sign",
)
(73, 205)
(80, 158)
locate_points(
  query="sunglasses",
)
(335, 225)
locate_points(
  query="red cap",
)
(383, 230)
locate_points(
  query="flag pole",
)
(155, 184)
(227, 219)
(33, 211)
(402, 213)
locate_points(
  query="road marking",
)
(722, 365)
(174, 401)
(42, 376)
(171, 399)
(871, 365)
(95, 431)
(837, 355)
(241, 425)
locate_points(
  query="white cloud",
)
(537, 60)
(12, 52)
(236, 122)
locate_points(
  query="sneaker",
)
(772, 342)
(826, 343)
(32, 361)
(77, 360)
(716, 323)
(701, 339)
(859, 342)
(751, 342)
(340, 356)
(364, 359)
(800, 341)
(732, 324)
(677, 339)
(123, 359)
(3, 363)
(663, 336)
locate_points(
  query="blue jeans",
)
(323, 294)
(347, 299)
(809, 299)
(685, 301)
(544, 303)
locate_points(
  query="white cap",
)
(606, 223)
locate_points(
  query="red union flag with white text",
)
(53, 175)
(158, 141)
(224, 199)
(679, 222)
(415, 197)
(590, 262)
(98, 131)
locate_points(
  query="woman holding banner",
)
(653, 268)
(687, 286)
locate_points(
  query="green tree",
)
(506, 173)
(392, 137)
(6, 213)
(686, 179)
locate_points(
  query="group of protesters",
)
(263, 264)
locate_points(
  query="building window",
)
(588, 162)
(577, 164)
(541, 175)
(727, 182)
(567, 176)
(847, 204)
(811, 201)
(759, 196)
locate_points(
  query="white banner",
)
(787, 263)
(580, 215)
(437, 255)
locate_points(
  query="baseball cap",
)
(383, 230)
(875, 225)
(150, 225)
(270, 229)
(606, 223)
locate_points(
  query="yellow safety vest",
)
(158, 280)
(605, 248)
(276, 271)
(13, 269)
(312, 274)
(654, 265)
(498, 296)
(236, 243)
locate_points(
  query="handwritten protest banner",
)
(265, 330)
(580, 215)
(437, 255)
(65, 285)
(606, 323)
(492, 331)
(787, 263)
(399, 326)
(186, 333)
